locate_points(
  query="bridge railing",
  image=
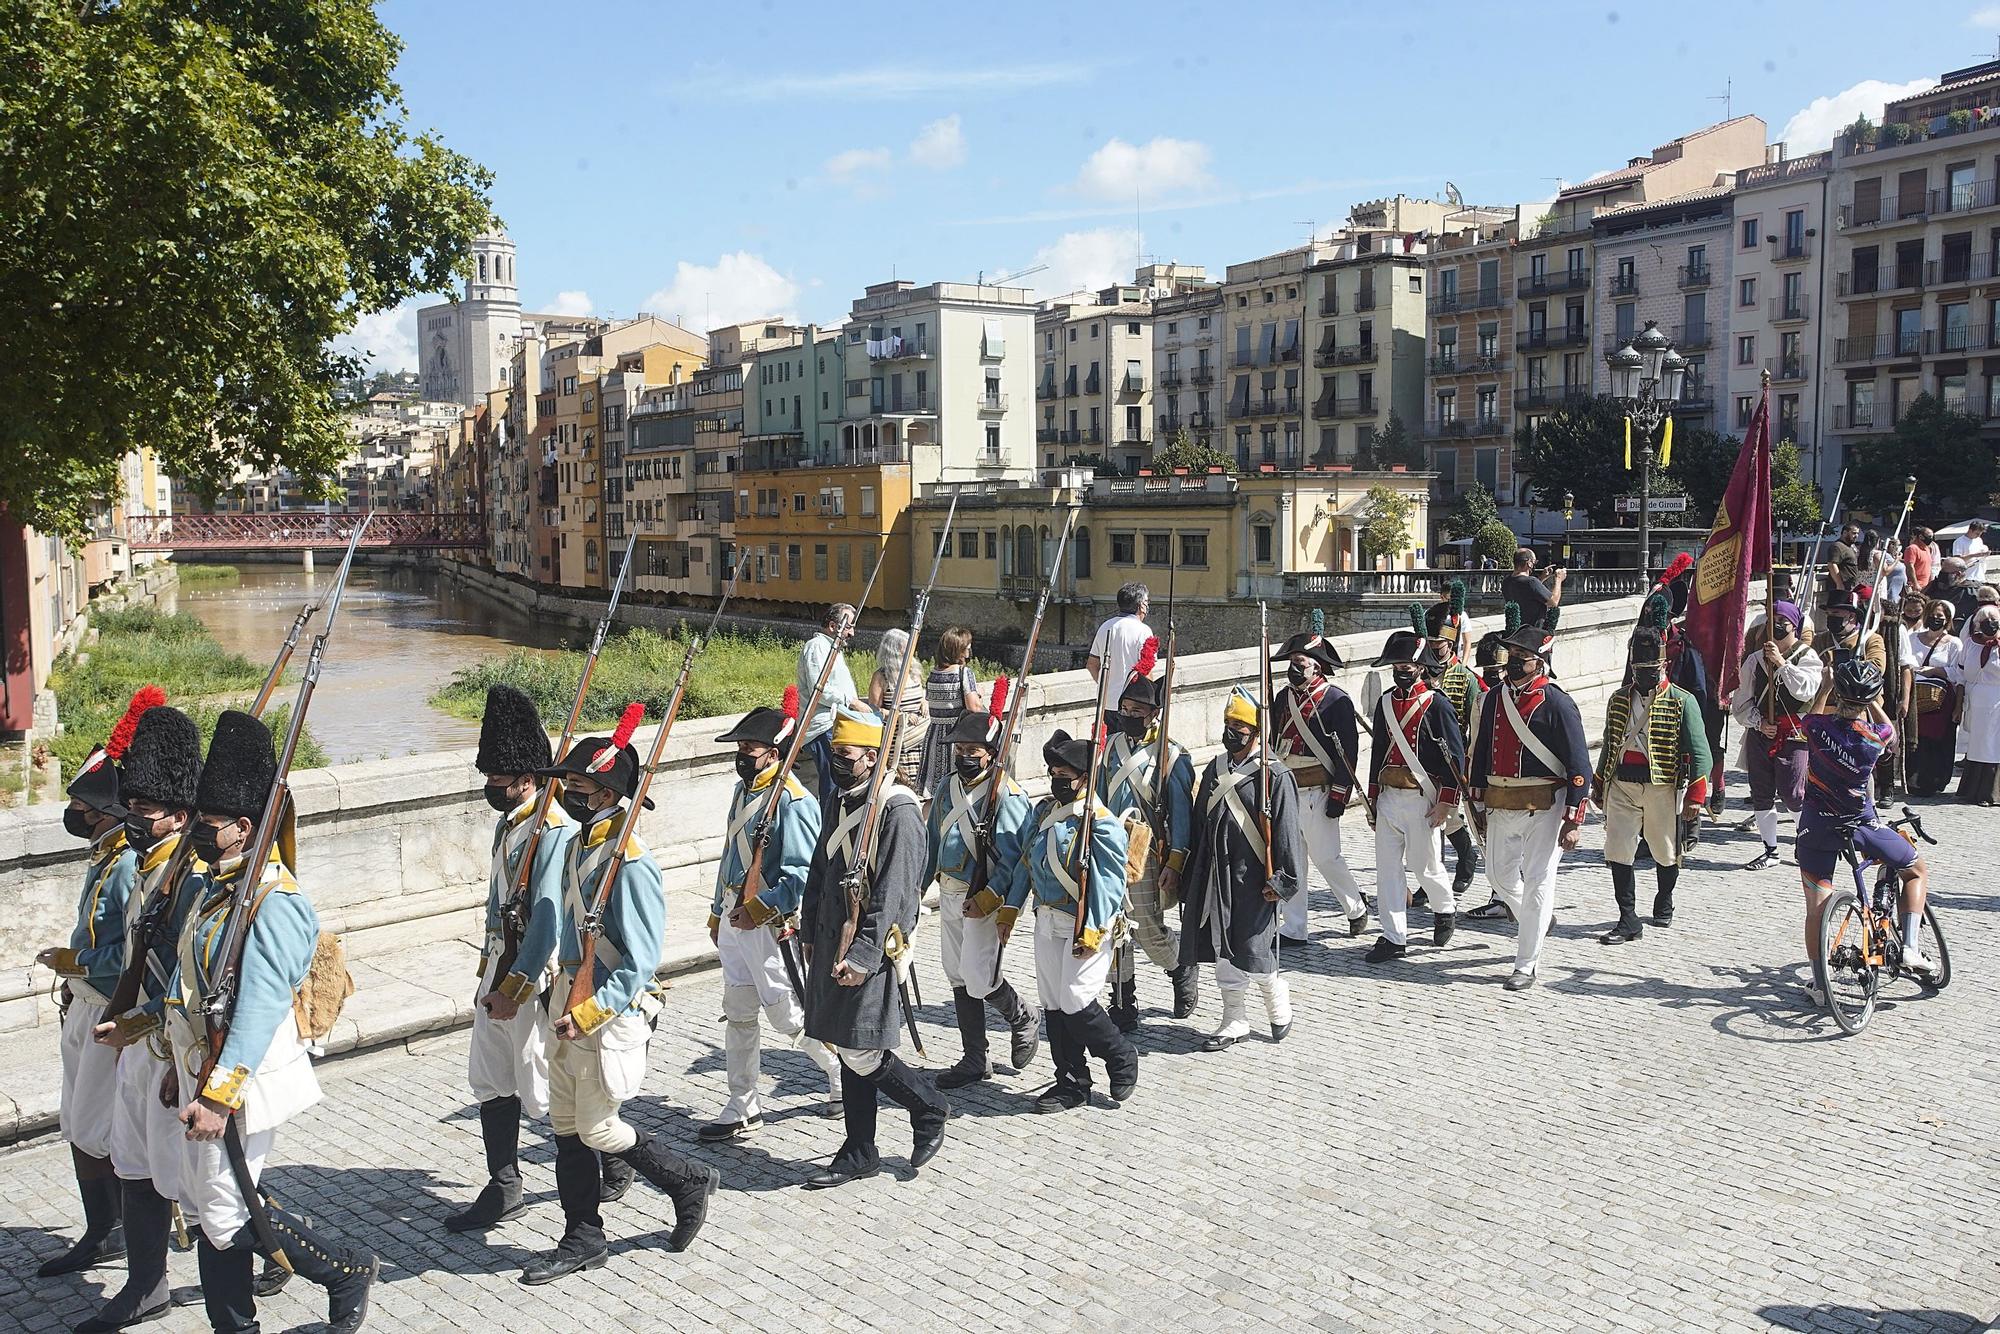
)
(1481, 586)
(296, 530)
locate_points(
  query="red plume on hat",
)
(1677, 567)
(146, 697)
(1149, 653)
(628, 723)
(997, 706)
(789, 706)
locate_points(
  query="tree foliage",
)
(1472, 511)
(1794, 500)
(1497, 540)
(1702, 464)
(1182, 452)
(1955, 470)
(195, 198)
(1394, 447)
(1385, 524)
(1579, 448)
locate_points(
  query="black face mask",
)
(846, 772)
(1300, 676)
(969, 767)
(748, 767)
(1063, 789)
(1405, 678)
(77, 823)
(139, 832)
(1517, 670)
(1842, 630)
(1124, 723)
(497, 798)
(1235, 740)
(206, 844)
(578, 807)
(1940, 622)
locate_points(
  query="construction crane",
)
(1010, 276)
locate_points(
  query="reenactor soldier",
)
(89, 967)
(1414, 781)
(856, 930)
(1531, 773)
(1230, 901)
(1781, 678)
(1652, 780)
(508, 1065)
(749, 929)
(1129, 785)
(156, 779)
(1078, 895)
(1318, 737)
(969, 921)
(1445, 625)
(263, 1075)
(600, 1056)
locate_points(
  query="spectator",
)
(1919, 559)
(949, 692)
(1951, 586)
(816, 759)
(1843, 559)
(1972, 549)
(908, 701)
(1118, 641)
(1530, 594)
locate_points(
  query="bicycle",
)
(1859, 938)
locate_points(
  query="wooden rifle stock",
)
(1086, 820)
(1264, 724)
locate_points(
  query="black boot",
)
(1443, 925)
(1099, 1035)
(1187, 989)
(1468, 860)
(972, 1065)
(913, 1091)
(103, 1240)
(857, 1159)
(687, 1183)
(1072, 1086)
(1624, 883)
(582, 1244)
(146, 1295)
(226, 1276)
(1665, 878)
(1023, 1023)
(1125, 1000)
(500, 1200)
(346, 1272)
(617, 1178)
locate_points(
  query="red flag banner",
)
(1738, 550)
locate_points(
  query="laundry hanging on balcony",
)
(892, 346)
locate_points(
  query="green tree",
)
(1182, 452)
(1385, 524)
(1579, 448)
(1472, 511)
(1955, 470)
(195, 198)
(1394, 447)
(1497, 540)
(1794, 501)
(1701, 466)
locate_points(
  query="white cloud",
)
(1085, 261)
(1814, 127)
(939, 144)
(886, 82)
(1156, 168)
(387, 339)
(738, 286)
(856, 165)
(571, 303)
(1987, 18)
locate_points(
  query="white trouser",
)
(1522, 850)
(146, 1137)
(1234, 984)
(89, 1080)
(743, 1046)
(510, 1058)
(590, 1079)
(1066, 983)
(968, 946)
(208, 1194)
(1405, 846)
(1322, 835)
(863, 1061)
(1649, 809)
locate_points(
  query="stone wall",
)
(403, 841)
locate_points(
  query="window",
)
(1746, 350)
(1260, 543)
(1079, 555)
(1746, 291)
(798, 502)
(992, 544)
(1743, 410)
(1121, 548)
(993, 439)
(968, 545)
(1132, 326)
(1992, 397)
(792, 570)
(843, 562)
(1194, 549)
(1486, 469)
(1416, 282)
(1748, 230)
(1159, 549)
(819, 562)
(1093, 331)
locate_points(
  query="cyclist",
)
(1845, 737)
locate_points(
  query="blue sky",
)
(722, 162)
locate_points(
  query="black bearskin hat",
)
(511, 739)
(1071, 752)
(242, 764)
(163, 763)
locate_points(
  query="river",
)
(398, 639)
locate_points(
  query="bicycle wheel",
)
(1931, 933)
(1842, 969)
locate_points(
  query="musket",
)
(218, 1007)
(1161, 821)
(856, 883)
(1811, 595)
(1086, 820)
(592, 926)
(514, 916)
(1869, 615)
(1264, 725)
(1017, 707)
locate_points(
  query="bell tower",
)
(492, 270)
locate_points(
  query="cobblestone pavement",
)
(1661, 1136)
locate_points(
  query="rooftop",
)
(1671, 151)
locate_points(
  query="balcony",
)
(1790, 310)
(1288, 353)
(1365, 299)
(1046, 389)
(1200, 421)
(1446, 303)
(1968, 198)
(1201, 375)
(1696, 396)
(992, 402)
(1442, 363)
(897, 349)
(1957, 269)
(1265, 407)
(1692, 276)
(1459, 428)
(1884, 347)
(1788, 370)
(1545, 397)
(1093, 385)
(1323, 355)
(1541, 340)
(1956, 342)
(1069, 385)
(1169, 423)
(1562, 280)
(1134, 435)
(1171, 379)
(904, 405)
(1489, 364)
(1625, 284)
(1340, 409)
(1896, 276)
(1047, 435)
(1854, 417)
(1330, 304)
(1693, 337)
(1129, 385)
(1791, 249)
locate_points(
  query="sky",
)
(717, 163)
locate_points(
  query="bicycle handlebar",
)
(1915, 825)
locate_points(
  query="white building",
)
(1778, 246)
(464, 347)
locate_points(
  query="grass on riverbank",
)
(734, 674)
(140, 645)
(207, 576)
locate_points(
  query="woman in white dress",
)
(1979, 709)
(1932, 656)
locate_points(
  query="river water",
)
(399, 638)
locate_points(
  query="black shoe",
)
(497, 1203)
(1125, 1019)
(690, 1196)
(970, 1012)
(1767, 858)
(146, 1295)
(914, 1092)
(967, 1071)
(1024, 1026)
(568, 1257)
(271, 1279)
(1221, 1041)
(1461, 884)
(1187, 989)
(1291, 942)
(1519, 981)
(617, 1177)
(840, 1171)
(1279, 1032)
(1386, 949)
(1443, 926)
(1421, 900)
(1628, 929)
(1061, 1098)
(347, 1300)
(721, 1132)
(1356, 925)
(115, 1316)
(103, 1239)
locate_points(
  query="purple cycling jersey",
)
(1840, 761)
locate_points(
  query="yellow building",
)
(808, 536)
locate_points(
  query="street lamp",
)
(1569, 511)
(1647, 376)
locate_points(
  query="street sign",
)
(1658, 505)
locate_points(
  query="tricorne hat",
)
(97, 782)
(608, 760)
(983, 729)
(1407, 646)
(770, 725)
(1072, 752)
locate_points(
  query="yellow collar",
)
(111, 844)
(162, 850)
(601, 831)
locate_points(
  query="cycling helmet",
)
(1857, 681)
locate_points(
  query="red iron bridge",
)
(305, 530)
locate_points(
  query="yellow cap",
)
(856, 728)
(1240, 709)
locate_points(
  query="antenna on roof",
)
(1452, 196)
(1727, 98)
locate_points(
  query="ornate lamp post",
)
(1647, 376)
(1569, 512)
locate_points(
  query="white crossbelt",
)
(961, 817)
(1529, 741)
(1134, 767)
(507, 845)
(584, 871)
(845, 831)
(1311, 739)
(1054, 855)
(1404, 750)
(1229, 790)
(742, 815)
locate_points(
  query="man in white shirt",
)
(816, 755)
(1120, 638)
(1972, 549)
